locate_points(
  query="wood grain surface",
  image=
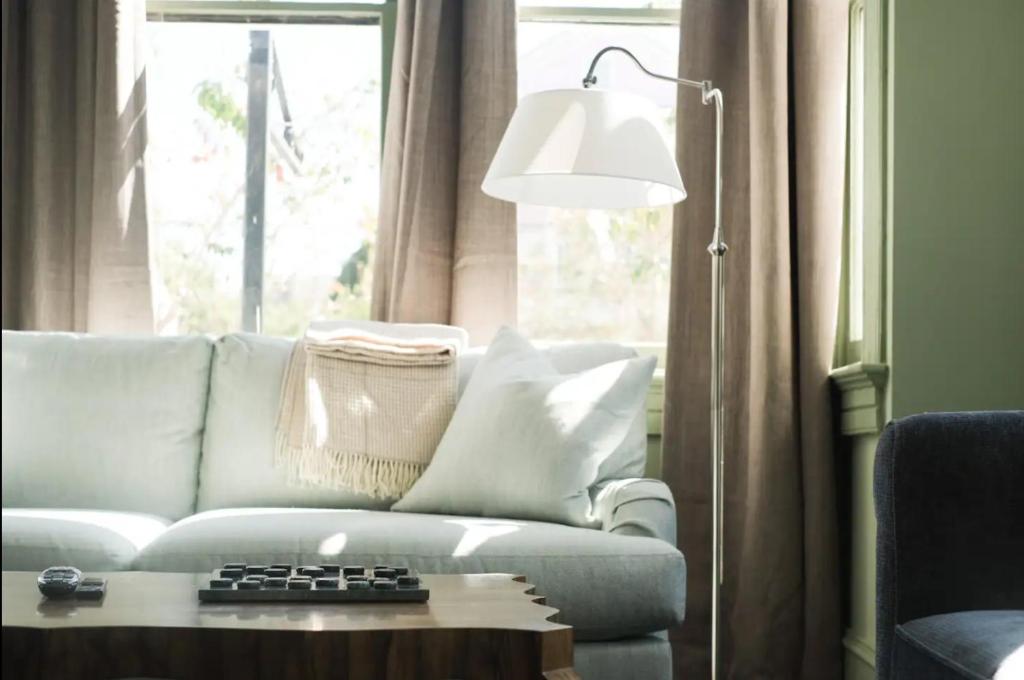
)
(152, 625)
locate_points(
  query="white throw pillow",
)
(526, 441)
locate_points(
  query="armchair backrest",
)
(949, 500)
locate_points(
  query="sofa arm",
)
(635, 507)
(950, 511)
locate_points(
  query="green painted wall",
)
(957, 204)
(953, 219)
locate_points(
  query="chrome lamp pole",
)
(717, 249)
(593, 148)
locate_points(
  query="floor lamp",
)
(590, 148)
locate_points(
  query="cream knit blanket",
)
(364, 404)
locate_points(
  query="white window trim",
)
(644, 16)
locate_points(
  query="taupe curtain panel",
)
(782, 69)
(446, 252)
(75, 241)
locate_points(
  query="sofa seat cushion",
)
(605, 585)
(638, 658)
(978, 645)
(92, 540)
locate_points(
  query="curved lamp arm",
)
(591, 79)
(709, 94)
(717, 249)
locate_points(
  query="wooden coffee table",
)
(152, 625)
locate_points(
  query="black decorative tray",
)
(237, 582)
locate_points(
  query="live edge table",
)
(153, 625)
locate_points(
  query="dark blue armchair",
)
(949, 499)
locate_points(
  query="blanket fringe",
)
(311, 466)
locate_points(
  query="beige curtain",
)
(782, 68)
(446, 252)
(75, 241)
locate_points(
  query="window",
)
(597, 274)
(265, 131)
(854, 246)
(852, 323)
(859, 365)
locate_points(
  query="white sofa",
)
(156, 454)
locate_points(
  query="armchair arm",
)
(635, 507)
(949, 500)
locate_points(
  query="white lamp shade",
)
(584, 148)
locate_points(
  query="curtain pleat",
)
(782, 69)
(446, 252)
(75, 228)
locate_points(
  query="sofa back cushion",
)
(237, 468)
(103, 423)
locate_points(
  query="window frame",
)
(644, 16)
(276, 12)
(862, 286)
(854, 220)
(860, 372)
